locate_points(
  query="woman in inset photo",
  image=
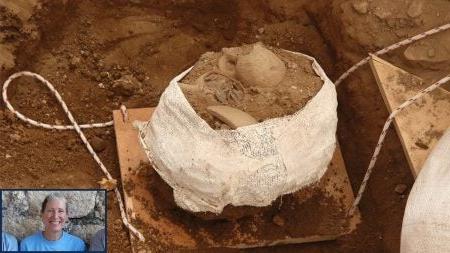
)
(9, 242)
(54, 214)
(98, 241)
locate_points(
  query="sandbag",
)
(426, 223)
(251, 165)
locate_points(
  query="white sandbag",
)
(252, 165)
(426, 224)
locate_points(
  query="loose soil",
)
(99, 54)
(313, 211)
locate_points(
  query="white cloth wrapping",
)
(252, 165)
(426, 223)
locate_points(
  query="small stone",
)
(98, 144)
(428, 53)
(118, 223)
(254, 90)
(15, 137)
(415, 9)
(400, 188)
(421, 144)
(105, 74)
(126, 86)
(74, 62)
(261, 30)
(382, 13)
(277, 220)
(108, 184)
(58, 122)
(7, 156)
(361, 7)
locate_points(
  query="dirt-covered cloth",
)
(252, 165)
(426, 223)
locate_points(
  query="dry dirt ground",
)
(84, 46)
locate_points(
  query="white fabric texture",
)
(426, 223)
(252, 165)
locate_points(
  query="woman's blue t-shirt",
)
(37, 242)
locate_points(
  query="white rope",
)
(66, 127)
(383, 135)
(52, 89)
(396, 110)
(390, 48)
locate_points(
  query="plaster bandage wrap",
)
(252, 165)
(426, 223)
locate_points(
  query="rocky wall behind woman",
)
(21, 212)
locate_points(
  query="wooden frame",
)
(164, 232)
(420, 125)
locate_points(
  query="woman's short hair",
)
(54, 196)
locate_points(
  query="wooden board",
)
(420, 125)
(167, 228)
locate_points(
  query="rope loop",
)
(75, 126)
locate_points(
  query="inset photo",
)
(54, 220)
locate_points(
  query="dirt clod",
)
(400, 188)
(415, 9)
(15, 137)
(98, 144)
(382, 13)
(74, 62)
(278, 220)
(108, 184)
(126, 86)
(361, 7)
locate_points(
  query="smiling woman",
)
(54, 214)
